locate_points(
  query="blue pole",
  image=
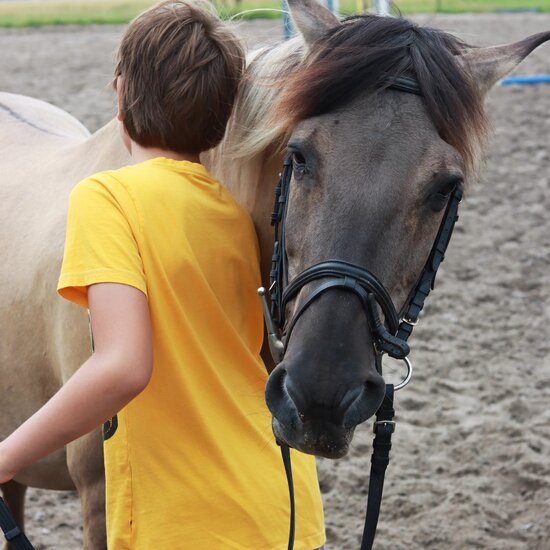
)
(534, 79)
(288, 27)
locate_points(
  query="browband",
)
(404, 84)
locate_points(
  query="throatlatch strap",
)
(15, 537)
(383, 428)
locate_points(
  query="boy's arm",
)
(119, 369)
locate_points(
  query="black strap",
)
(383, 428)
(16, 538)
(339, 268)
(285, 452)
(404, 84)
(426, 281)
(278, 273)
(372, 294)
(383, 340)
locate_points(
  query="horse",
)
(373, 170)
(325, 94)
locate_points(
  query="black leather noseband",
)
(365, 286)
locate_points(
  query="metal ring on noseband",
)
(408, 376)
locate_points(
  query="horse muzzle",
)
(322, 427)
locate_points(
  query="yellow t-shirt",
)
(191, 462)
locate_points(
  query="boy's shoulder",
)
(159, 166)
(118, 178)
(101, 187)
(146, 181)
(159, 178)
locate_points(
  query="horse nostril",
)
(278, 399)
(274, 389)
(367, 402)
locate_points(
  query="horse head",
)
(373, 169)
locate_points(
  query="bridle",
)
(389, 336)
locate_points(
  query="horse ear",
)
(311, 18)
(489, 65)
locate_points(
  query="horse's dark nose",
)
(278, 399)
(319, 416)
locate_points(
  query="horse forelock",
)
(359, 55)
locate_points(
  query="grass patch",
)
(85, 12)
(45, 12)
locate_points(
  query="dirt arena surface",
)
(471, 454)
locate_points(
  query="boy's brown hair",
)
(180, 67)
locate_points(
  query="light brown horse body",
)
(45, 152)
(45, 339)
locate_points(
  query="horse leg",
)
(85, 462)
(14, 495)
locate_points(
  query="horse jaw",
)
(311, 19)
(488, 65)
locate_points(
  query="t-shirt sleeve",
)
(101, 244)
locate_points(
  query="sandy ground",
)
(471, 457)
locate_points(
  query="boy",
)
(167, 264)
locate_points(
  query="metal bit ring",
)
(408, 377)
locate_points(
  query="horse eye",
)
(299, 162)
(298, 159)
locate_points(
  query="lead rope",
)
(285, 452)
(383, 429)
(17, 540)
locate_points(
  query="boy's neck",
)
(141, 154)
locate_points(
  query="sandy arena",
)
(471, 454)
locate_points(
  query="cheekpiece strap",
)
(278, 261)
(426, 281)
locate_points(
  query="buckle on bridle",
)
(384, 423)
(409, 322)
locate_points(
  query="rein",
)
(389, 336)
(17, 540)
